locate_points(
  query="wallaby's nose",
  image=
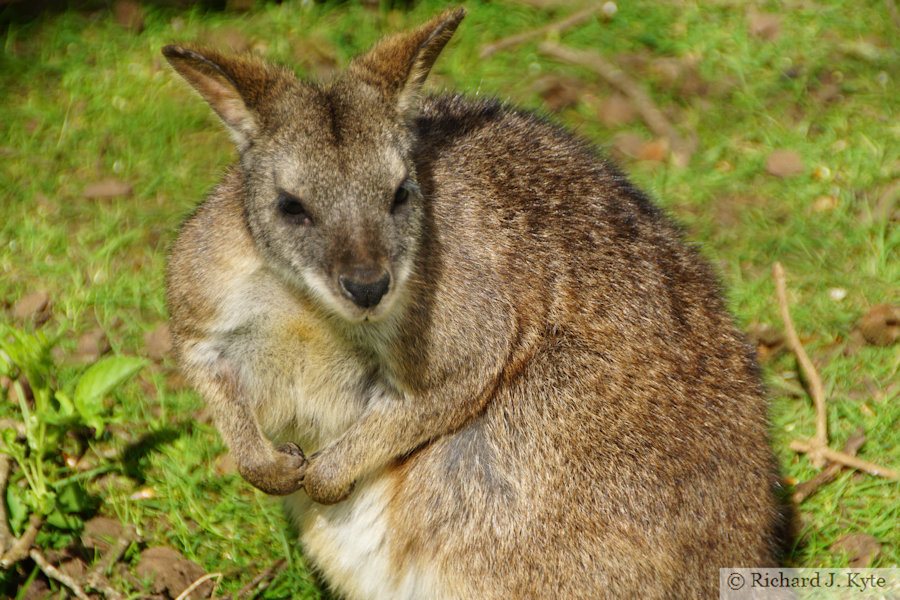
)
(365, 285)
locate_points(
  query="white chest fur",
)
(351, 544)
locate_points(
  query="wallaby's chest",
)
(308, 385)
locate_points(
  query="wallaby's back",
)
(517, 380)
(626, 433)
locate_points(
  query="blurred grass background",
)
(793, 107)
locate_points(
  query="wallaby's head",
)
(330, 188)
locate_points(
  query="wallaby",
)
(511, 377)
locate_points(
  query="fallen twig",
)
(20, 547)
(616, 77)
(96, 578)
(816, 389)
(572, 20)
(845, 459)
(807, 488)
(817, 447)
(54, 573)
(187, 592)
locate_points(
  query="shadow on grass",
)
(134, 456)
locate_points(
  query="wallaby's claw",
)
(281, 475)
(292, 449)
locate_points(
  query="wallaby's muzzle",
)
(364, 285)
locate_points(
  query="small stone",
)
(107, 188)
(765, 26)
(821, 173)
(837, 294)
(609, 9)
(784, 163)
(35, 306)
(824, 204)
(91, 346)
(881, 325)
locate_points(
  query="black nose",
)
(365, 286)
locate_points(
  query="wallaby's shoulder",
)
(546, 176)
(213, 245)
(526, 149)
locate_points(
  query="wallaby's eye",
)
(292, 209)
(401, 197)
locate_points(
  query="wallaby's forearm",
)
(391, 426)
(277, 471)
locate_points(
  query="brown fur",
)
(548, 400)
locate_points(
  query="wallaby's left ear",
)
(399, 64)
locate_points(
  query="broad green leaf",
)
(64, 520)
(17, 505)
(98, 381)
(74, 498)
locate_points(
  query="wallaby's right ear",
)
(399, 64)
(236, 88)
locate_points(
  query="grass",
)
(84, 99)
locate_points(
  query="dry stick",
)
(20, 547)
(807, 488)
(817, 448)
(96, 578)
(845, 459)
(616, 77)
(820, 439)
(559, 26)
(54, 573)
(6, 536)
(187, 592)
(113, 555)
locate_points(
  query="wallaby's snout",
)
(365, 285)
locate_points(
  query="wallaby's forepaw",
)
(282, 474)
(324, 482)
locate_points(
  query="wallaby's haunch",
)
(508, 375)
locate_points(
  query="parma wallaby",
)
(508, 375)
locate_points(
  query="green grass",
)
(84, 99)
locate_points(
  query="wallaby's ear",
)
(399, 64)
(236, 88)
